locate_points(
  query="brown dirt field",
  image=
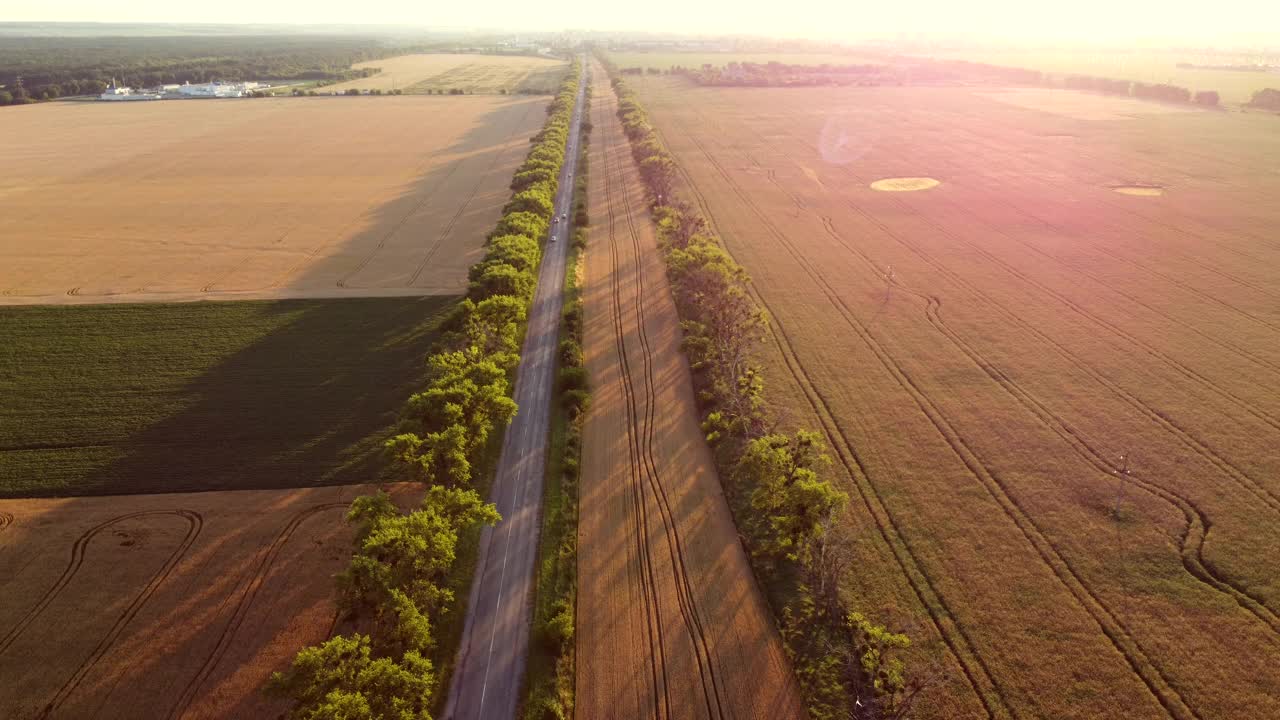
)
(405, 71)
(1037, 326)
(670, 622)
(235, 199)
(165, 606)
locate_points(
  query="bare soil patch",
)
(289, 197)
(905, 184)
(165, 606)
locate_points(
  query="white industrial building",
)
(217, 89)
(116, 92)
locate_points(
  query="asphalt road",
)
(495, 640)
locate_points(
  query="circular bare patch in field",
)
(906, 184)
(1139, 190)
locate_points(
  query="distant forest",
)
(53, 67)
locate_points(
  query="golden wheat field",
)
(467, 72)
(1041, 334)
(165, 606)
(227, 199)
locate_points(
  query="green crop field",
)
(204, 396)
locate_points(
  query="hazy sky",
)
(1026, 19)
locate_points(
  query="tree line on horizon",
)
(38, 68)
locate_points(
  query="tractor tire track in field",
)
(1201, 447)
(461, 209)
(1150, 674)
(245, 603)
(684, 591)
(1198, 525)
(1174, 226)
(382, 241)
(195, 523)
(1130, 210)
(978, 675)
(1178, 366)
(652, 610)
(195, 520)
(1191, 441)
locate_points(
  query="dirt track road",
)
(495, 641)
(670, 621)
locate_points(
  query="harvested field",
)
(468, 72)
(165, 606)
(670, 622)
(981, 356)
(205, 396)
(290, 197)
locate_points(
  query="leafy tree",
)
(522, 223)
(493, 326)
(341, 678)
(793, 502)
(503, 279)
(531, 201)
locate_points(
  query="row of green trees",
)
(1162, 92)
(396, 585)
(553, 665)
(784, 502)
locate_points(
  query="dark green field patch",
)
(205, 396)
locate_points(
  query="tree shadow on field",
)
(297, 393)
(317, 384)
(430, 234)
(307, 404)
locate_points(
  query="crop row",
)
(398, 586)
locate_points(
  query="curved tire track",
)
(241, 611)
(77, 560)
(195, 523)
(1197, 523)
